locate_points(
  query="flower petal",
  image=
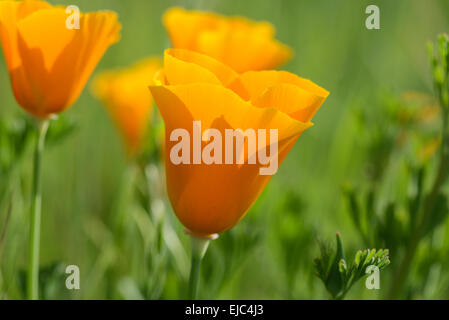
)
(204, 197)
(179, 62)
(183, 27)
(182, 104)
(58, 65)
(244, 49)
(125, 94)
(236, 41)
(178, 68)
(185, 66)
(300, 98)
(10, 13)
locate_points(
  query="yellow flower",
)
(212, 198)
(49, 63)
(238, 42)
(126, 96)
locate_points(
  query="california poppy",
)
(191, 88)
(49, 63)
(238, 42)
(125, 94)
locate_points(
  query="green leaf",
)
(338, 275)
(334, 281)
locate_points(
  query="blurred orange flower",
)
(429, 149)
(212, 198)
(240, 43)
(126, 96)
(49, 63)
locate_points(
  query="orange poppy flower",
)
(126, 96)
(49, 63)
(238, 42)
(193, 88)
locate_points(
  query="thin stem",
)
(194, 277)
(34, 239)
(199, 246)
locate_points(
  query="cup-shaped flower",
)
(219, 146)
(125, 94)
(240, 43)
(48, 56)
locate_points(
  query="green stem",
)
(199, 247)
(194, 277)
(33, 260)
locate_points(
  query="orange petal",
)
(11, 12)
(179, 69)
(300, 98)
(185, 66)
(125, 94)
(184, 26)
(209, 103)
(244, 49)
(55, 62)
(204, 197)
(236, 41)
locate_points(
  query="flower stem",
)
(194, 277)
(199, 247)
(33, 260)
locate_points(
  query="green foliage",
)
(14, 137)
(59, 130)
(405, 221)
(337, 274)
(439, 59)
(51, 281)
(16, 133)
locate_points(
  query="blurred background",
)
(372, 138)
